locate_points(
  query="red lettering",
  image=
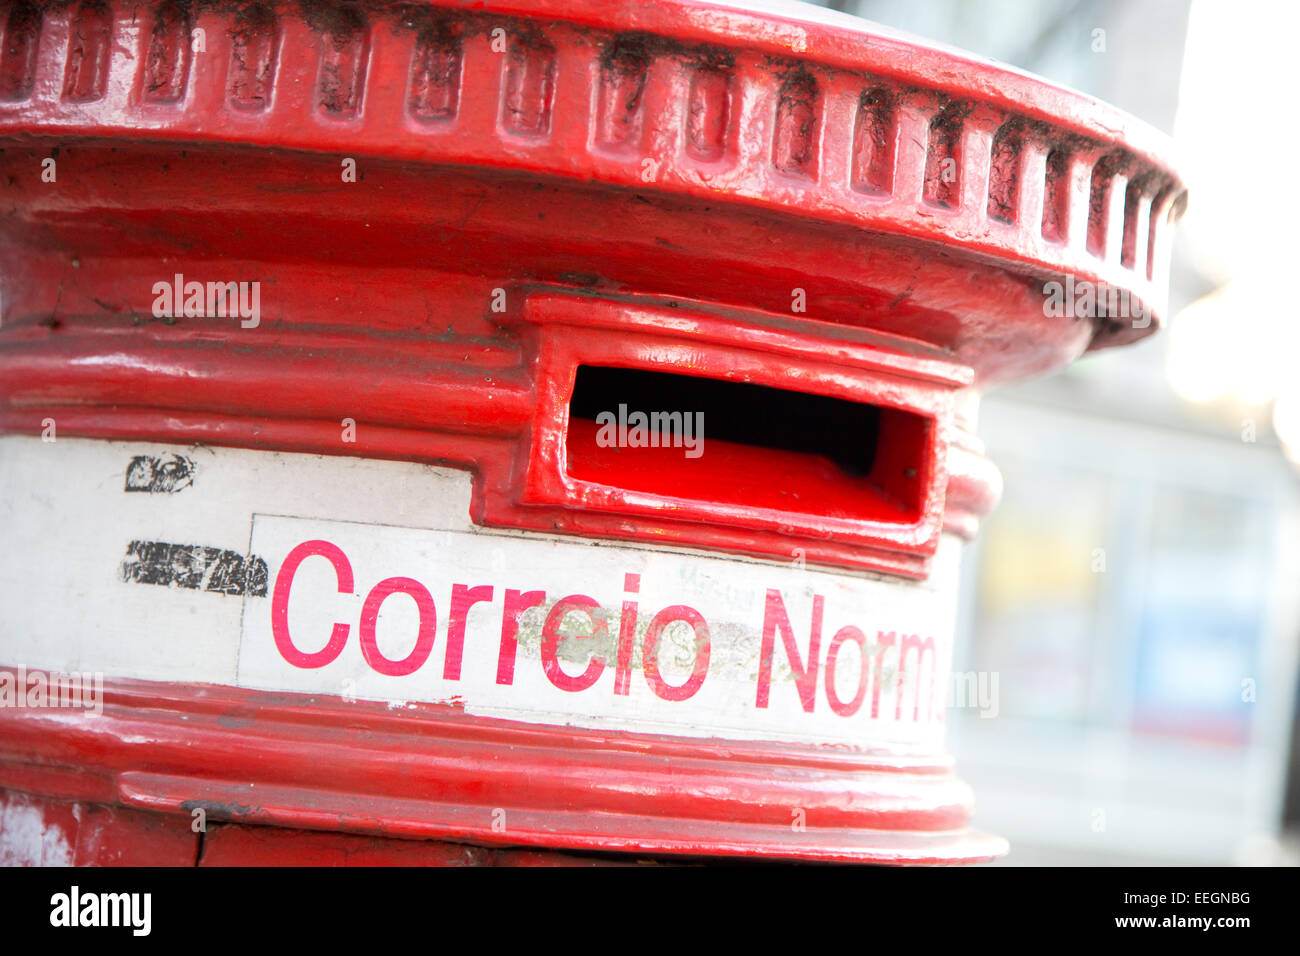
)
(844, 634)
(462, 599)
(650, 652)
(516, 603)
(775, 619)
(424, 638)
(280, 604)
(885, 639)
(551, 643)
(909, 642)
(626, 635)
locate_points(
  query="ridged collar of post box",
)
(442, 212)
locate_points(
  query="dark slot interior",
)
(763, 447)
(843, 432)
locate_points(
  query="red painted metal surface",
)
(542, 185)
(326, 763)
(44, 831)
(235, 845)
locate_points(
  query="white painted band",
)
(145, 584)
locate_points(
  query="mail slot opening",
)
(752, 446)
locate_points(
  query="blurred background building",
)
(1135, 594)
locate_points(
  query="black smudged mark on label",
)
(195, 567)
(160, 474)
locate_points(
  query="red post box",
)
(488, 432)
